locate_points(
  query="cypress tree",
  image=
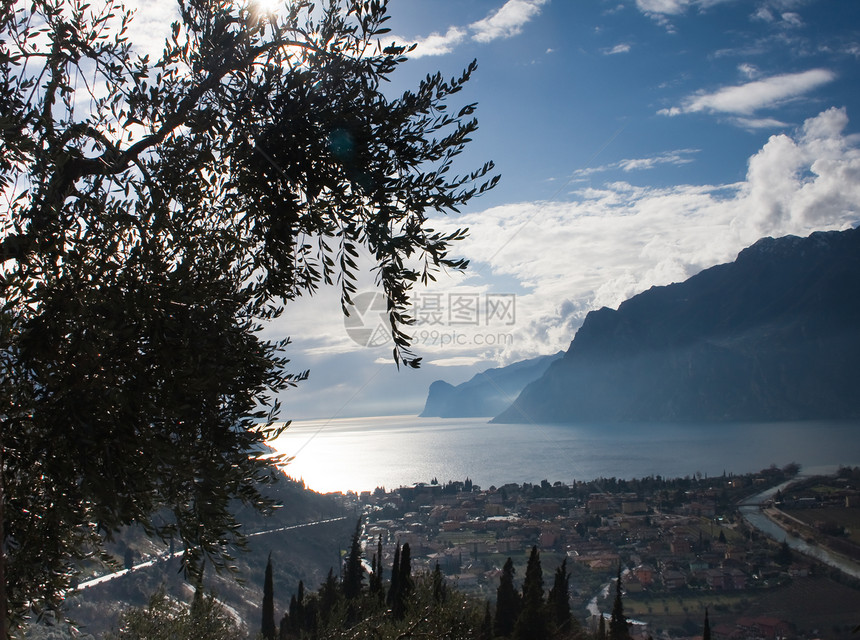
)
(310, 611)
(293, 615)
(531, 624)
(299, 617)
(618, 629)
(284, 632)
(375, 585)
(486, 630)
(267, 628)
(353, 572)
(559, 599)
(507, 602)
(706, 632)
(404, 585)
(601, 628)
(328, 596)
(394, 587)
(438, 585)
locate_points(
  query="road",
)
(167, 555)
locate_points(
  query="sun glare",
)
(268, 6)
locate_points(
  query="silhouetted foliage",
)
(438, 584)
(507, 602)
(601, 628)
(558, 600)
(164, 619)
(267, 627)
(156, 214)
(394, 584)
(404, 584)
(375, 586)
(486, 630)
(618, 626)
(532, 622)
(328, 597)
(353, 570)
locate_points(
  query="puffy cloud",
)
(439, 44)
(747, 98)
(507, 21)
(798, 184)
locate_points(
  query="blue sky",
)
(638, 142)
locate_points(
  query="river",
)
(755, 517)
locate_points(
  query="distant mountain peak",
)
(486, 393)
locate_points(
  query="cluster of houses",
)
(470, 533)
(673, 538)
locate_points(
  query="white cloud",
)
(748, 70)
(676, 157)
(674, 7)
(616, 240)
(439, 44)
(618, 48)
(151, 25)
(760, 123)
(459, 361)
(664, 7)
(792, 19)
(747, 98)
(764, 14)
(507, 21)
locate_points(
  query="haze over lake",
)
(389, 451)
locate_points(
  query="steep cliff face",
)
(487, 393)
(774, 335)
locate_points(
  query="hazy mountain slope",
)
(487, 393)
(774, 335)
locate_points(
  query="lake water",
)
(391, 451)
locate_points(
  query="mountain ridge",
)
(771, 336)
